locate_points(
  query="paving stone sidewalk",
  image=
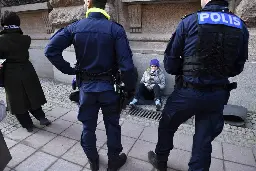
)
(57, 147)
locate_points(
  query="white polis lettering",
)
(215, 17)
(219, 18)
(223, 18)
(203, 16)
(230, 19)
(237, 21)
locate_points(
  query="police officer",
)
(100, 45)
(207, 48)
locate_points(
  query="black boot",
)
(116, 163)
(94, 164)
(160, 166)
(45, 121)
(40, 115)
(30, 129)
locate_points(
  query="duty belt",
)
(96, 77)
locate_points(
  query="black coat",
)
(5, 155)
(21, 82)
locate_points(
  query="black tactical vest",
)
(220, 37)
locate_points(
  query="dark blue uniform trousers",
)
(207, 106)
(90, 103)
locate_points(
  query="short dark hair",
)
(10, 18)
(99, 3)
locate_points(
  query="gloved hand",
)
(151, 86)
(74, 84)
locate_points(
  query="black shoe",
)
(158, 107)
(160, 166)
(94, 165)
(30, 129)
(117, 163)
(45, 121)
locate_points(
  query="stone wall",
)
(152, 23)
(247, 10)
(34, 23)
(65, 3)
(63, 16)
(159, 18)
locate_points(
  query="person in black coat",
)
(20, 80)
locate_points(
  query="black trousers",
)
(142, 91)
(25, 119)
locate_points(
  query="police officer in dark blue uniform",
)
(207, 48)
(101, 48)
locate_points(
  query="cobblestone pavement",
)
(57, 147)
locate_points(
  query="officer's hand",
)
(74, 84)
(1, 66)
(151, 86)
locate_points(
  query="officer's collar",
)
(97, 10)
(216, 4)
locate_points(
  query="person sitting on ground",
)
(151, 84)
